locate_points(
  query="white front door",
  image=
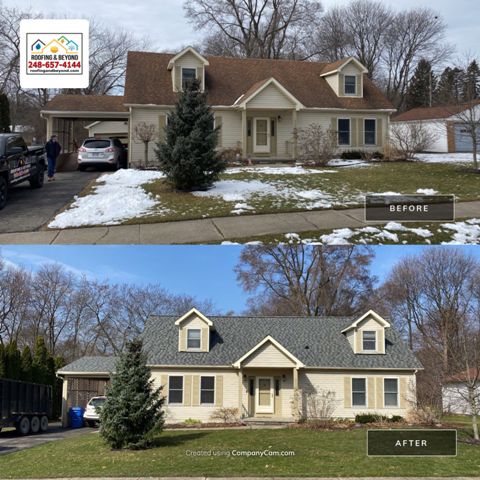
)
(264, 395)
(261, 135)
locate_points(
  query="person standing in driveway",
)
(53, 149)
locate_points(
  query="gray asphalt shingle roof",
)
(315, 341)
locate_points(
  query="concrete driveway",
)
(11, 442)
(28, 209)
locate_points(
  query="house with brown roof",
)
(456, 395)
(259, 104)
(445, 123)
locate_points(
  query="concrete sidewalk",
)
(211, 229)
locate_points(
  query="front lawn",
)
(133, 197)
(317, 453)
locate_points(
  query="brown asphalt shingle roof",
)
(149, 82)
(431, 113)
(86, 103)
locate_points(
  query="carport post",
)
(49, 120)
(64, 402)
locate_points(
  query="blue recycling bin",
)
(75, 415)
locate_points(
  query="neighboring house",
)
(109, 129)
(455, 393)
(256, 364)
(259, 104)
(445, 124)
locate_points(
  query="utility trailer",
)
(25, 406)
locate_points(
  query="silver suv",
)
(102, 151)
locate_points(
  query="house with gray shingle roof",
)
(260, 105)
(266, 367)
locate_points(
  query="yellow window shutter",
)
(353, 131)
(218, 124)
(359, 85)
(162, 122)
(164, 381)
(347, 392)
(219, 390)
(187, 394)
(379, 125)
(200, 71)
(380, 392)
(196, 390)
(178, 79)
(341, 86)
(371, 392)
(334, 127)
(182, 340)
(381, 341)
(205, 345)
(358, 341)
(403, 393)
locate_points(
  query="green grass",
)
(346, 187)
(317, 453)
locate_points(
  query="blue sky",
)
(203, 271)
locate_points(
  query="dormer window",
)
(369, 340)
(350, 85)
(189, 75)
(193, 339)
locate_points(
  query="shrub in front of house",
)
(188, 157)
(225, 415)
(192, 422)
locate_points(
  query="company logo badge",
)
(54, 53)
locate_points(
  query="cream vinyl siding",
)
(270, 97)
(340, 383)
(268, 355)
(333, 80)
(149, 116)
(188, 60)
(226, 392)
(371, 325)
(194, 322)
(231, 128)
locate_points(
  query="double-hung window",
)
(207, 390)
(350, 85)
(193, 339)
(359, 392)
(188, 76)
(370, 132)
(390, 392)
(175, 389)
(344, 131)
(369, 340)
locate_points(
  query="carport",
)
(63, 111)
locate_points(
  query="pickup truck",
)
(19, 163)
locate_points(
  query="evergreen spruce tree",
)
(133, 410)
(40, 372)
(3, 364)
(4, 113)
(13, 361)
(27, 364)
(450, 87)
(188, 157)
(471, 87)
(421, 87)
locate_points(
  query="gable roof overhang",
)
(258, 87)
(370, 313)
(196, 312)
(183, 52)
(338, 66)
(269, 339)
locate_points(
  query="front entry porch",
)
(269, 135)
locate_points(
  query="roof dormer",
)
(194, 332)
(186, 66)
(345, 77)
(366, 335)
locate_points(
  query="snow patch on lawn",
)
(467, 232)
(294, 170)
(427, 191)
(116, 198)
(444, 157)
(338, 162)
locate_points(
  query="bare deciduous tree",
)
(145, 133)
(411, 138)
(255, 28)
(304, 280)
(316, 145)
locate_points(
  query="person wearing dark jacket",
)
(53, 149)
